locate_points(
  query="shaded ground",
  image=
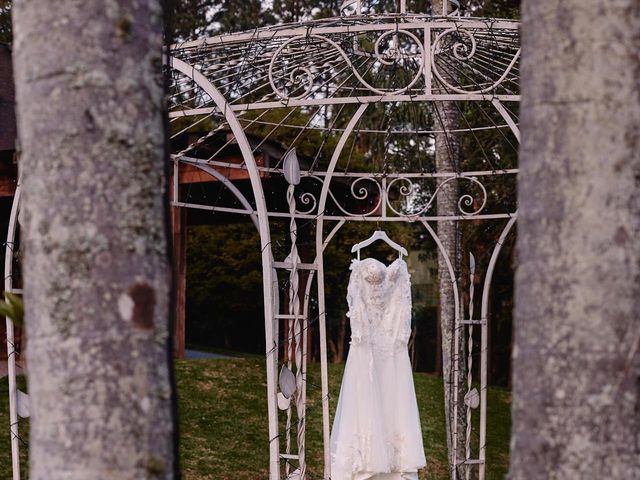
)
(200, 355)
(224, 428)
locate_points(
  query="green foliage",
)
(6, 30)
(239, 15)
(493, 8)
(188, 19)
(13, 309)
(297, 10)
(224, 286)
(191, 19)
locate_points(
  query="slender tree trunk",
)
(576, 357)
(96, 270)
(447, 152)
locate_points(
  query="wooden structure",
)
(187, 176)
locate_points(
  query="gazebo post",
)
(178, 219)
(179, 246)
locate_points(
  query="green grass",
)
(223, 422)
(5, 436)
(224, 428)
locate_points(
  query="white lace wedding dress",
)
(376, 430)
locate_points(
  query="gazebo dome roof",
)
(351, 60)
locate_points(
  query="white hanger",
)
(379, 235)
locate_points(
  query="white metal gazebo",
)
(366, 81)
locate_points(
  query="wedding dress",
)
(376, 432)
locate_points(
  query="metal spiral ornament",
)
(358, 192)
(461, 50)
(461, 45)
(407, 187)
(308, 198)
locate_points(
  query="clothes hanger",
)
(379, 235)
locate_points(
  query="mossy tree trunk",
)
(576, 373)
(96, 269)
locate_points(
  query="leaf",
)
(24, 404)
(287, 382)
(291, 167)
(18, 307)
(13, 309)
(283, 402)
(6, 310)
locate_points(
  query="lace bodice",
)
(379, 298)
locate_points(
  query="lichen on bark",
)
(576, 372)
(89, 100)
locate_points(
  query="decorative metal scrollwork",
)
(297, 69)
(308, 198)
(415, 200)
(455, 54)
(409, 189)
(357, 192)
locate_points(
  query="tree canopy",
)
(6, 30)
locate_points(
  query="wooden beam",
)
(192, 174)
(179, 232)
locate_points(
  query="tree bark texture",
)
(447, 153)
(96, 270)
(576, 381)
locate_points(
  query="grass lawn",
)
(224, 428)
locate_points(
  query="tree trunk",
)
(447, 151)
(96, 269)
(576, 357)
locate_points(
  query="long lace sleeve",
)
(405, 320)
(354, 302)
(402, 298)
